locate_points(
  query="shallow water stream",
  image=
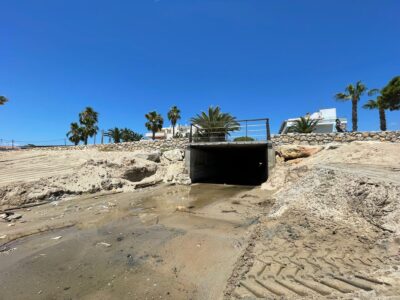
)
(139, 247)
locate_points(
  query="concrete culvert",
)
(230, 163)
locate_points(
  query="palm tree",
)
(353, 93)
(75, 133)
(115, 134)
(174, 115)
(3, 100)
(88, 118)
(215, 124)
(391, 93)
(128, 135)
(154, 122)
(378, 104)
(304, 125)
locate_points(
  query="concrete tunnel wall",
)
(231, 163)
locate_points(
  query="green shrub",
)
(243, 139)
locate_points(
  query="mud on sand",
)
(168, 242)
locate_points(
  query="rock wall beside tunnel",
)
(146, 145)
(277, 139)
(335, 137)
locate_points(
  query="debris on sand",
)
(229, 211)
(104, 244)
(10, 216)
(181, 208)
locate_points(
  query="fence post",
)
(12, 144)
(102, 136)
(268, 130)
(191, 132)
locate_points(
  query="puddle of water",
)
(197, 195)
(204, 194)
(127, 256)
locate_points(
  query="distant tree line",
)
(215, 124)
(386, 98)
(123, 135)
(87, 127)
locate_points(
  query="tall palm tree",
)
(88, 119)
(304, 125)
(174, 115)
(378, 104)
(154, 122)
(115, 134)
(214, 124)
(353, 93)
(75, 133)
(3, 100)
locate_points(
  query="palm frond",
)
(373, 92)
(342, 97)
(214, 123)
(371, 104)
(304, 125)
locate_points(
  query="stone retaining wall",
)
(336, 137)
(162, 145)
(284, 139)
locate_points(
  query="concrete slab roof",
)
(231, 144)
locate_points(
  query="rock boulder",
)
(174, 155)
(289, 152)
(152, 156)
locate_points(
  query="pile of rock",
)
(10, 216)
(176, 171)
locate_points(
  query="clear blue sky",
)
(275, 58)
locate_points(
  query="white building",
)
(167, 132)
(326, 124)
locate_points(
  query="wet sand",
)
(127, 246)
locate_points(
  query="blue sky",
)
(266, 58)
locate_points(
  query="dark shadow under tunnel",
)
(244, 164)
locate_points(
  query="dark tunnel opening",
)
(231, 164)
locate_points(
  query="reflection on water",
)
(122, 258)
(203, 194)
(198, 195)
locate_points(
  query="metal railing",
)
(240, 130)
